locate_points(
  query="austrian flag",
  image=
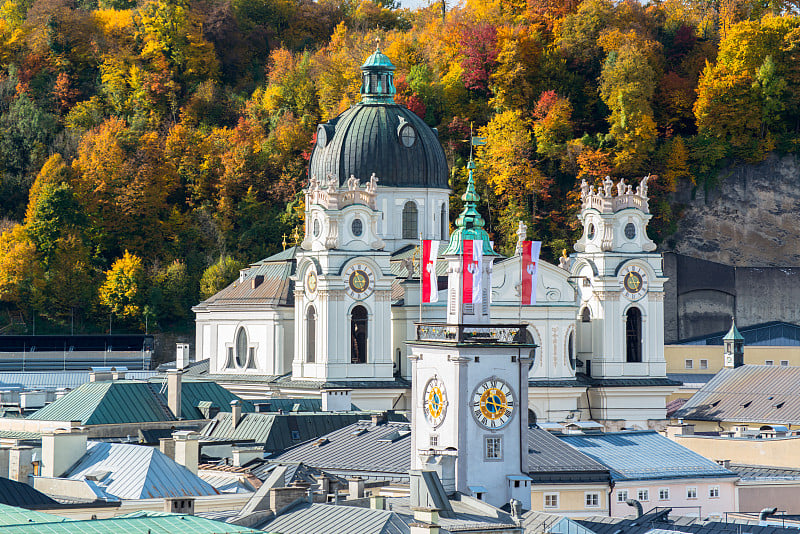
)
(472, 265)
(530, 259)
(430, 284)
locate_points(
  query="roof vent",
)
(778, 405)
(321, 441)
(358, 432)
(746, 404)
(714, 404)
(257, 280)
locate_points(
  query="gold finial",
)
(377, 44)
(564, 253)
(284, 241)
(295, 236)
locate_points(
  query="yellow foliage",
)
(121, 291)
(115, 24)
(19, 266)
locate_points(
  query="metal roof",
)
(196, 391)
(643, 455)
(97, 403)
(376, 455)
(763, 394)
(15, 493)
(57, 379)
(136, 523)
(277, 432)
(306, 518)
(765, 472)
(552, 460)
(772, 334)
(138, 472)
(272, 287)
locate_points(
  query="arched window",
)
(410, 221)
(571, 350)
(586, 315)
(358, 335)
(531, 418)
(241, 347)
(311, 335)
(633, 335)
(445, 222)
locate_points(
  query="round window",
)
(408, 136)
(316, 227)
(630, 230)
(590, 232)
(241, 347)
(357, 227)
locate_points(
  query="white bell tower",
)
(621, 291)
(342, 287)
(469, 414)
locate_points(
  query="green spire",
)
(469, 224)
(377, 79)
(733, 334)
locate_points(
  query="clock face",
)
(359, 280)
(434, 402)
(634, 282)
(492, 403)
(311, 283)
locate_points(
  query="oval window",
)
(408, 136)
(630, 230)
(316, 227)
(322, 136)
(357, 227)
(241, 347)
(590, 232)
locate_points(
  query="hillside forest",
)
(149, 149)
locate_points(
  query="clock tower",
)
(469, 414)
(342, 286)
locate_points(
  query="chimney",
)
(174, 392)
(187, 449)
(336, 400)
(280, 498)
(118, 373)
(243, 455)
(5, 453)
(681, 429)
(167, 447)
(61, 449)
(356, 487)
(236, 413)
(100, 374)
(181, 356)
(377, 502)
(179, 505)
(20, 463)
(426, 521)
(378, 418)
(324, 484)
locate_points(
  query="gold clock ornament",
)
(359, 281)
(492, 403)
(634, 282)
(311, 283)
(434, 402)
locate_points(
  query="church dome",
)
(379, 136)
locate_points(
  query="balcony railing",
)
(468, 333)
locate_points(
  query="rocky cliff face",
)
(752, 219)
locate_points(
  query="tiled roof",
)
(675, 405)
(383, 449)
(266, 282)
(552, 460)
(19, 521)
(277, 432)
(137, 472)
(643, 455)
(751, 393)
(765, 472)
(309, 518)
(97, 403)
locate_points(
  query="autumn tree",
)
(219, 275)
(123, 290)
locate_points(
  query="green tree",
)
(219, 275)
(122, 291)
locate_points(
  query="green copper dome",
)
(377, 79)
(733, 334)
(378, 60)
(469, 224)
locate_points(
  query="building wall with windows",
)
(570, 500)
(704, 359)
(694, 497)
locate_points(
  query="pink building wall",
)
(726, 502)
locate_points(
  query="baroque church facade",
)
(333, 316)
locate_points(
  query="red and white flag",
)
(530, 260)
(472, 265)
(430, 283)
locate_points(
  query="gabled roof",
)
(306, 518)
(277, 432)
(15, 493)
(551, 460)
(196, 391)
(750, 393)
(382, 450)
(643, 455)
(137, 472)
(98, 403)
